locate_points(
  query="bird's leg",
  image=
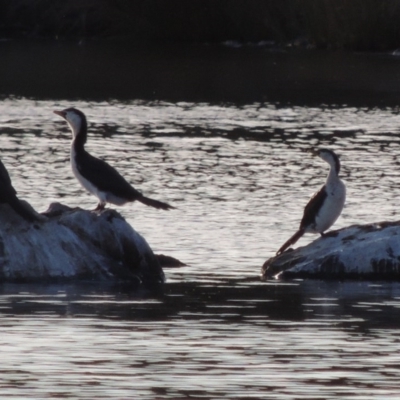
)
(100, 206)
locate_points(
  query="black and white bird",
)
(325, 206)
(95, 175)
(8, 195)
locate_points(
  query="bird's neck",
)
(79, 139)
(333, 176)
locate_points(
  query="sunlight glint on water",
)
(239, 178)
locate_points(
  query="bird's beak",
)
(60, 113)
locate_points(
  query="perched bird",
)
(325, 206)
(95, 175)
(8, 195)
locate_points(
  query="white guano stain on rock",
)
(370, 251)
(74, 244)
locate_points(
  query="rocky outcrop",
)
(370, 251)
(74, 244)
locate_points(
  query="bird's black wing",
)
(313, 207)
(105, 177)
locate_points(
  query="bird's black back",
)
(104, 176)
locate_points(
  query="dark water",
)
(239, 175)
(196, 73)
(215, 338)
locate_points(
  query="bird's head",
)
(76, 120)
(328, 156)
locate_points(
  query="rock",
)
(370, 251)
(74, 244)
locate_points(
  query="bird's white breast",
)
(83, 181)
(104, 197)
(331, 208)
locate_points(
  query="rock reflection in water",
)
(225, 338)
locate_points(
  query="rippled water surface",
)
(239, 177)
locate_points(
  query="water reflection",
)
(226, 338)
(240, 178)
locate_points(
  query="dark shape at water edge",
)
(370, 251)
(74, 244)
(169, 262)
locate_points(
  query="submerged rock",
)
(370, 251)
(74, 244)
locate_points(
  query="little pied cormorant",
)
(95, 175)
(325, 207)
(8, 195)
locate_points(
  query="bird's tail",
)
(154, 203)
(291, 241)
